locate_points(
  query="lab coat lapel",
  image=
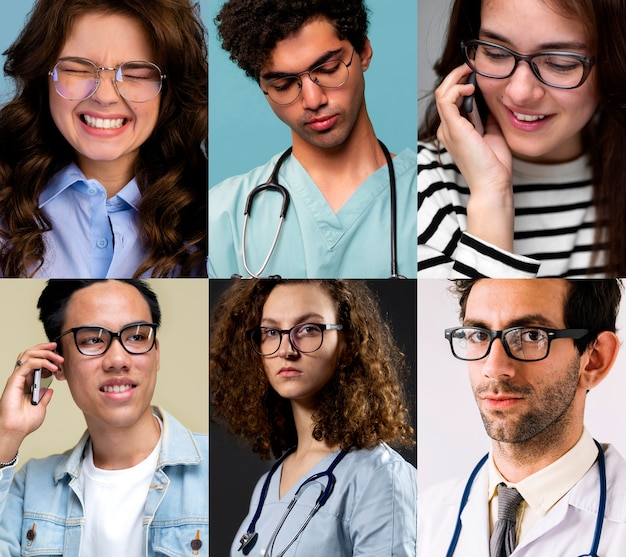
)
(474, 539)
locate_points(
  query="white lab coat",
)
(567, 530)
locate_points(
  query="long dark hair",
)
(604, 136)
(171, 169)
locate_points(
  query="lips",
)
(288, 372)
(322, 123)
(120, 386)
(528, 117)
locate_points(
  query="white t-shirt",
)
(114, 503)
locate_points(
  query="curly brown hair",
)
(360, 407)
(171, 170)
(250, 29)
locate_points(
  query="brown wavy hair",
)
(361, 406)
(250, 29)
(171, 170)
(604, 136)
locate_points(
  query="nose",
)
(116, 357)
(106, 93)
(497, 364)
(313, 95)
(523, 86)
(286, 348)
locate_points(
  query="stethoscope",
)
(272, 184)
(593, 552)
(249, 539)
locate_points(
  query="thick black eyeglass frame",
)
(323, 327)
(587, 62)
(113, 335)
(551, 333)
(308, 72)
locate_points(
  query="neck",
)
(517, 461)
(119, 448)
(113, 175)
(307, 444)
(338, 171)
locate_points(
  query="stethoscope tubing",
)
(248, 540)
(272, 184)
(593, 552)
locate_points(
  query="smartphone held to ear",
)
(471, 108)
(41, 381)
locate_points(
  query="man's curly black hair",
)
(250, 29)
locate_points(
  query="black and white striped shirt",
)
(553, 231)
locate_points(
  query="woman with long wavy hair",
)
(103, 168)
(541, 189)
(307, 371)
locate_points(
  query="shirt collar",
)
(543, 489)
(71, 174)
(178, 447)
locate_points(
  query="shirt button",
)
(92, 191)
(102, 243)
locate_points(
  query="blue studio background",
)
(244, 132)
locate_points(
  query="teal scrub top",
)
(315, 242)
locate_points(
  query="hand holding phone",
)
(471, 108)
(41, 381)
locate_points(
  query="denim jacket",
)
(41, 510)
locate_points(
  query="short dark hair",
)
(250, 29)
(56, 295)
(590, 304)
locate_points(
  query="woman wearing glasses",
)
(306, 371)
(541, 192)
(102, 151)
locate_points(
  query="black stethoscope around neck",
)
(273, 184)
(249, 539)
(593, 552)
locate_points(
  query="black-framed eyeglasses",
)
(77, 79)
(563, 70)
(137, 338)
(304, 337)
(331, 75)
(527, 344)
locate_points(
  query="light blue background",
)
(13, 18)
(245, 133)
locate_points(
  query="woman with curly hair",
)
(307, 371)
(103, 169)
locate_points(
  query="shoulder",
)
(380, 464)
(435, 168)
(247, 181)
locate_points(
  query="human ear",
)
(598, 359)
(366, 55)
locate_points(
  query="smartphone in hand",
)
(41, 381)
(471, 108)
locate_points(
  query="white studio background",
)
(451, 438)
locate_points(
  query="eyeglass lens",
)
(306, 337)
(93, 341)
(285, 90)
(558, 69)
(76, 79)
(524, 343)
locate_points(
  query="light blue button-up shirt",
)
(91, 236)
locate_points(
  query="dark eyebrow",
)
(554, 45)
(329, 55)
(268, 321)
(530, 320)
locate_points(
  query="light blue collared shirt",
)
(91, 236)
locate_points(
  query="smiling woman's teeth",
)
(103, 123)
(528, 117)
(116, 388)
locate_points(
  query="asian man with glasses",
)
(136, 484)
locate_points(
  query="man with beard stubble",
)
(534, 349)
